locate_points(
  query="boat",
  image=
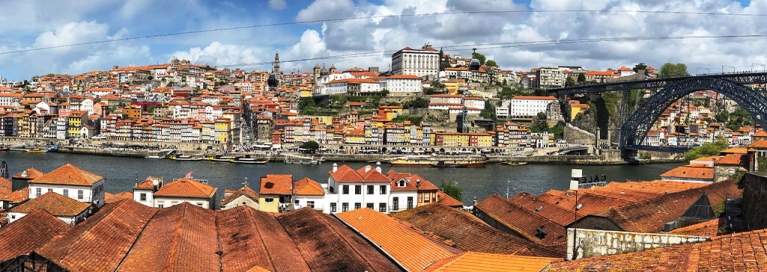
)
(152, 157)
(412, 161)
(465, 163)
(248, 160)
(304, 160)
(222, 158)
(514, 163)
(52, 148)
(448, 164)
(5, 148)
(36, 150)
(184, 158)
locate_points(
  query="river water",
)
(121, 172)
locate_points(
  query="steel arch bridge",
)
(634, 130)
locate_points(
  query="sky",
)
(37, 37)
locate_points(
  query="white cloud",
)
(217, 54)
(277, 4)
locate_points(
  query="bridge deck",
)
(741, 78)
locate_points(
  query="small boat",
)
(5, 148)
(514, 163)
(184, 158)
(52, 148)
(36, 150)
(414, 161)
(248, 160)
(222, 158)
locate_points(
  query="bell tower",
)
(276, 63)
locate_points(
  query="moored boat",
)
(514, 163)
(185, 158)
(412, 162)
(248, 160)
(5, 147)
(222, 158)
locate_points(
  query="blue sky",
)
(27, 25)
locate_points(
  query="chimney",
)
(335, 167)
(378, 167)
(417, 183)
(367, 168)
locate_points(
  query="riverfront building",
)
(153, 192)
(72, 182)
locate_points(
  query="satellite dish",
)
(155, 182)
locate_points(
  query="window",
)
(357, 205)
(142, 197)
(50, 190)
(80, 194)
(370, 205)
(160, 205)
(382, 207)
(66, 192)
(346, 189)
(395, 204)
(409, 202)
(310, 204)
(344, 207)
(357, 189)
(427, 197)
(383, 189)
(199, 204)
(38, 192)
(332, 207)
(370, 189)
(269, 199)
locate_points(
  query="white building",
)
(153, 191)
(10, 99)
(472, 102)
(352, 86)
(309, 193)
(240, 197)
(422, 62)
(401, 85)
(71, 182)
(350, 189)
(64, 208)
(550, 77)
(504, 109)
(529, 106)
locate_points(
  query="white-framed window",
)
(38, 192)
(80, 194)
(269, 199)
(66, 192)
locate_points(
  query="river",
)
(121, 172)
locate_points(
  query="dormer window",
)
(401, 183)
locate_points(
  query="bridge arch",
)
(635, 129)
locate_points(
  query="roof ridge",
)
(251, 212)
(137, 236)
(66, 252)
(176, 235)
(347, 241)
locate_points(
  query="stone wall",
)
(575, 135)
(596, 243)
(754, 204)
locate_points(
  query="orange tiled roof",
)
(29, 233)
(761, 144)
(735, 150)
(743, 251)
(447, 200)
(473, 234)
(54, 203)
(276, 184)
(733, 159)
(17, 196)
(398, 240)
(522, 221)
(147, 184)
(308, 187)
(708, 228)
(68, 175)
(111, 198)
(478, 261)
(32, 173)
(5, 186)
(687, 171)
(186, 188)
(244, 191)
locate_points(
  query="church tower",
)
(276, 63)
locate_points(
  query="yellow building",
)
(222, 128)
(356, 136)
(306, 93)
(75, 123)
(576, 108)
(275, 193)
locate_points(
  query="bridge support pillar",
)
(629, 154)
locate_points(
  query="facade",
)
(402, 85)
(550, 77)
(276, 193)
(350, 189)
(422, 62)
(240, 197)
(66, 209)
(72, 182)
(529, 106)
(153, 192)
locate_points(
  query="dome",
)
(272, 81)
(474, 64)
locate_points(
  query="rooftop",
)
(186, 188)
(478, 261)
(68, 175)
(29, 233)
(56, 204)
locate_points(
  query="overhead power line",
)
(379, 17)
(509, 45)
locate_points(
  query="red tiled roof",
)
(17, 196)
(708, 228)
(276, 184)
(522, 221)
(5, 186)
(469, 233)
(761, 143)
(733, 159)
(308, 187)
(244, 191)
(477, 261)
(111, 198)
(743, 251)
(687, 171)
(185, 233)
(29, 233)
(32, 173)
(56, 204)
(100, 242)
(147, 184)
(398, 240)
(186, 188)
(447, 200)
(68, 175)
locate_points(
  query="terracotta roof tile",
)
(147, 184)
(308, 187)
(407, 246)
(68, 175)
(29, 233)
(690, 172)
(327, 245)
(733, 159)
(17, 196)
(244, 191)
(54, 203)
(761, 144)
(5, 186)
(469, 233)
(111, 198)
(276, 184)
(100, 242)
(478, 261)
(448, 200)
(708, 228)
(186, 233)
(186, 188)
(522, 221)
(744, 251)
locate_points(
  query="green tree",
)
(311, 145)
(539, 123)
(569, 82)
(452, 189)
(418, 102)
(414, 119)
(488, 112)
(706, 149)
(673, 70)
(479, 57)
(384, 92)
(491, 63)
(150, 109)
(581, 78)
(640, 66)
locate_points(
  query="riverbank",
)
(611, 157)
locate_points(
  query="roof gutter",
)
(371, 242)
